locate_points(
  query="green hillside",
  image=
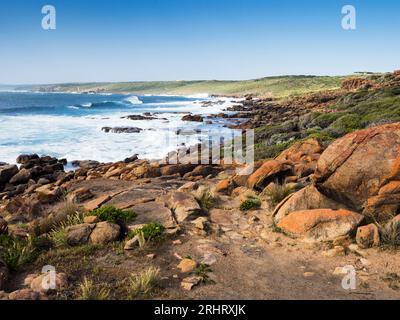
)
(279, 87)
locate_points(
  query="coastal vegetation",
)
(279, 87)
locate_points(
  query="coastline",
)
(151, 118)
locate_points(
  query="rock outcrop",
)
(308, 198)
(362, 170)
(320, 224)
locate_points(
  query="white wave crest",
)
(134, 100)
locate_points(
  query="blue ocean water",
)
(68, 125)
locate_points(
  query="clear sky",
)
(116, 40)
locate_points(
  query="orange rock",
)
(368, 236)
(307, 149)
(308, 198)
(187, 265)
(320, 224)
(390, 188)
(96, 203)
(268, 172)
(224, 186)
(354, 168)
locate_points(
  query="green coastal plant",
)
(202, 271)
(18, 252)
(250, 204)
(112, 214)
(149, 232)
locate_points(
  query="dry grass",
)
(389, 234)
(58, 235)
(277, 192)
(145, 282)
(88, 291)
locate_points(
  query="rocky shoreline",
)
(207, 231)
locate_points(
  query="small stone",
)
(151, 256)
(172, 231)
(335, 252)
(177, 242)
(48, 193)
(364, 262)
(201, 223)
(80, 195)
(187, 265)
(79, 234)
(105, 232)
(338, 271)
(29, 278)
(190, 282)
(308, 274)
(368, 236)
(41, 282)
(343, 241)
(132, 244)
(209, 259)
(356, 250)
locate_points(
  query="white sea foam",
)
(87, 105)
(133, 100)
(75, 137)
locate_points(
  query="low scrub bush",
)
(150, 232)
(250, 204)
(113, 215)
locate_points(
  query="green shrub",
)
(150, 232)
(250, 204)
(113, 215)
(325, 120)
(346, 123)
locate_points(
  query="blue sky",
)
(194, 39)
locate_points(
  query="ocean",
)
(69, 125)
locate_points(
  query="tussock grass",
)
(58, 235)
(89, 291)
(144, 282)
(18, 252)
(277, 192)
(389, 233)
